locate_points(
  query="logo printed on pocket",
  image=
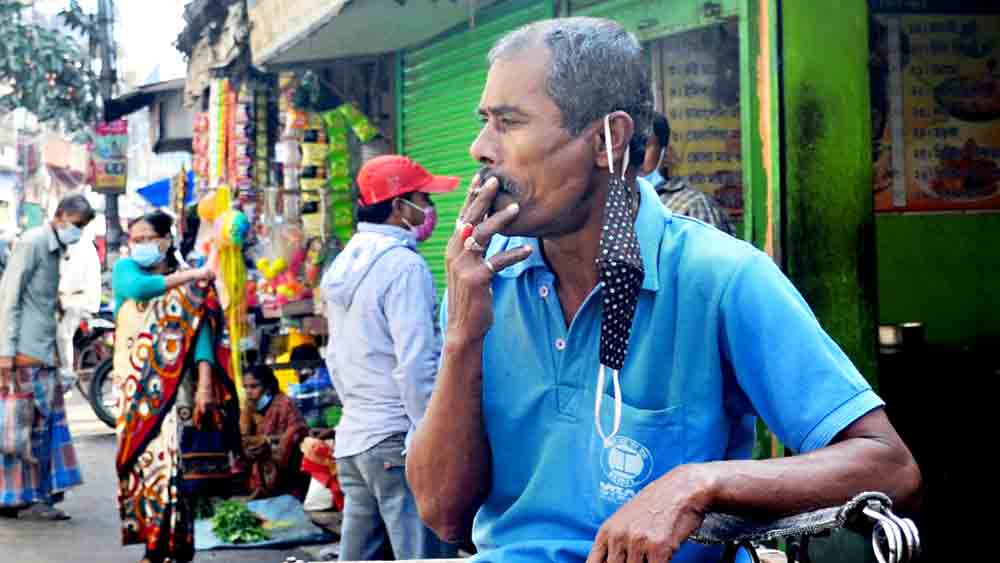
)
(627, 465)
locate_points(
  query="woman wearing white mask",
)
(165, 345)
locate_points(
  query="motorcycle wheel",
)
(102, 395)
(91, 353)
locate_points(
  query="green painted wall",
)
(942, 270)
(829, 229)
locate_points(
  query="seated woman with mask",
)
(273, 429)
(165, 373)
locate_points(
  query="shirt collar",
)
(393, 231)
(649, 228)
(54, 244)
(674, 185)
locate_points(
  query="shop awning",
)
(139, 98)
(158, 193)
(295, 32)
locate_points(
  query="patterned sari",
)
(155, 375)
(282, 428)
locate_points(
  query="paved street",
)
(92, 534)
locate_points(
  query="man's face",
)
(67, 219)
(652, 155)
(541, 167)
(413, 211)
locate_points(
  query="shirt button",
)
(560, 344)
(543, 291)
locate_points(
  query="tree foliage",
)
(48, 72)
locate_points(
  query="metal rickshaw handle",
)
(895, 539)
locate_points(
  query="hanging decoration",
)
(231, 231)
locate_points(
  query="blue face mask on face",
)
(69, 234)
(654, 177)
(147, 254)
(264, 401)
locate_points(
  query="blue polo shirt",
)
(720, 336)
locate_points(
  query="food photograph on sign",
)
(936, 113)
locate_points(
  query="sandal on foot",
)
(43, 512)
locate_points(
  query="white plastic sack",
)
(318, 497)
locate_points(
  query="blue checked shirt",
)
(678, 196)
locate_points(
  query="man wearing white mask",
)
(28, 363)
(79, 292)
(380, 305)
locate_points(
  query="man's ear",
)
(622, 129)
(397, 207)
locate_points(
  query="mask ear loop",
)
(607, 144)
(606, 438)
(422, 210)
(625, 163)
(608, 149)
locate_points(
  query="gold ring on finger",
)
(472, 245)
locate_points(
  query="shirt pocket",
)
(648, 444)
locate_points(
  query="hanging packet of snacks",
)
(313, 174)
(287, 156)
(242, 142)
(363, 129)
(200, 145)
(340, 207)
(262, 106)
(218, 119)
(315, 151)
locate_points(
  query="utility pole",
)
(109, 76)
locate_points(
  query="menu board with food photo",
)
(936, 112)
(701, 100)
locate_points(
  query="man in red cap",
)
(380, 305)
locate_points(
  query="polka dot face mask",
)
(619, 265)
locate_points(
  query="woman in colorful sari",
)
(164, 370)
(273, 430)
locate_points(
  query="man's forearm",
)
(448, 463)
(867, 458)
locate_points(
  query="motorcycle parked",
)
(93, 343)
(102, 396)
(93, 347)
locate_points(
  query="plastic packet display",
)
(314, 154)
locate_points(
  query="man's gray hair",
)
(597, 67)
(76, 204)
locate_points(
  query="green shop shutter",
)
(440, 86)
(650, 19)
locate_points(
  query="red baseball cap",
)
(388, 176)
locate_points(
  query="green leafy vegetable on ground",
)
(235, 523)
